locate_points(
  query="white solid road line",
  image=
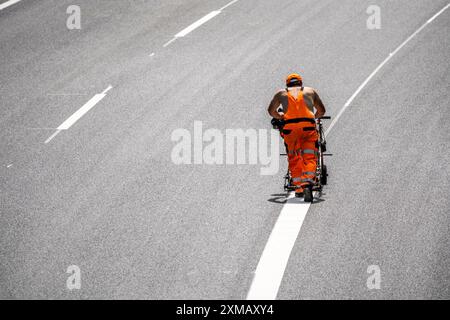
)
(79, 113)
(349, 101)
(8, 3)
(272, 264)
(274, 259)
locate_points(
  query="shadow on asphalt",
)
(281, 198)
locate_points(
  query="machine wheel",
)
(287, 181)
(324, 176)
(308, 195)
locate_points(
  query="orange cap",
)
(293, 79)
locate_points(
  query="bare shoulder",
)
(309, 90)
(281, 93)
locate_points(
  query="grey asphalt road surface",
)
(105, 195)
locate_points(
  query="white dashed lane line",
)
(198, 23)
(8, 3)
(228, 5)
(79, 113)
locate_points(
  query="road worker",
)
(300, 106)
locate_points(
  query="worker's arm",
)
(273, 106)
(318, 104)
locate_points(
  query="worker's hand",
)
(277, 123)
(319, 114)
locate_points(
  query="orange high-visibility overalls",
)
(300, 135)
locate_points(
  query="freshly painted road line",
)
(272, 264)
(79, 113)
(349, 101)
(8, 3)
(197, 24)
(274, 259)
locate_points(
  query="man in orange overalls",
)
(299, 130)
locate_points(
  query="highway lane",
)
(388, 209)
(105, 195)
